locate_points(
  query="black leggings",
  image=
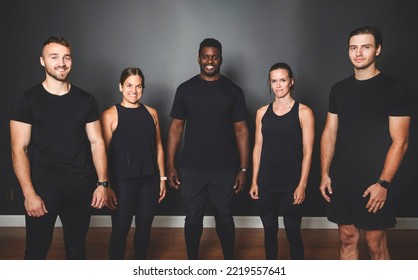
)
(269, 205)
(139, 197)
(73, 208)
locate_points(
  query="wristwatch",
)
(243, 170)
(104, 184)
(383, 183)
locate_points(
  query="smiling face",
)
(280, 83)
(131, 89)
(362, 51)
(210, 61)
(57, 61)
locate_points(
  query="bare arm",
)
(160, 152)
(98, 150)
(328, 140)
(242, 136)
(20, 134)
(399, 132)
(258, 144)
(175, 134)
(308, 131)
(109, 122)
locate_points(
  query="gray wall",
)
(162, 37)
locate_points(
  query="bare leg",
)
(349, 239)
(377, 243)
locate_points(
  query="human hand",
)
(35, 206)
(299, 195)
(162, 191)
(240, 180)
(99, 197)
(377, 197)
(325, 188)
(254, 192)
(111, 201)
(173, 178)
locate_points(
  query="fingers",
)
(377, 197)
(35, 207)
(254, 195)
(36, 213)
(174, 182)
(99, 197)
(298, 200)
(325, 187)
(162, 195)
(374, 206)
(238, 187)
(325, 195)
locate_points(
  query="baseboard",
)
(178, 221)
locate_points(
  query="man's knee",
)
(377, 244)
(349, 235)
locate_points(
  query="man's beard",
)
(58, 75)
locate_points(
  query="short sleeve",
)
(20, 110)
(240, 108)
(179, 109)
(93, 113)
(399, 102)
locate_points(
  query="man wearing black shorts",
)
(365, 137)
(216, 148)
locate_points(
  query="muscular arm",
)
(97, 143)
(175, 134)
(242, 136)
(109, 122)
(328, 140)
(399, 132)
(20, 134)
(307, 124)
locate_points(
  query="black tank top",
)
(282, 152)
(132, 150)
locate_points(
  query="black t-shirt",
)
(363, 138)
(210, 109)
(59, 151)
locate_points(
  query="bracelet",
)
(163, 178)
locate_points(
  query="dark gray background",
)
(162, 38)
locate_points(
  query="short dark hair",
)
(58, 40)
(131, 71)
(368, 29)
(210, 42)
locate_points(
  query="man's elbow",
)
(402, 145)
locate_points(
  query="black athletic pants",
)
(73, 208)
(269, 205)
(139, 197)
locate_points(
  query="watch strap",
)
(383, 183)
(104, 184)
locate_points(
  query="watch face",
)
(104, 184)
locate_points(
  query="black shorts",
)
(199, 187)
(348, 206)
